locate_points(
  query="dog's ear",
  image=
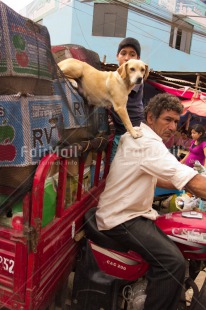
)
(146, 72)
(122, 70)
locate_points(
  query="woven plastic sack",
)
(24, 53)
(29, 128)
(79, 52)
(80, 120)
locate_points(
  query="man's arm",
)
(165, 184)
(197, 186)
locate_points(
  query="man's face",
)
(165, 125)
(126, 54)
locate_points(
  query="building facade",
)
(172, 33)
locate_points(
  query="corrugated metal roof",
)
(180, 79)
(172, 78)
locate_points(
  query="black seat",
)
(97, 236)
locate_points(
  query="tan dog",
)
(102, 88)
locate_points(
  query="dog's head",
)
(134, 71)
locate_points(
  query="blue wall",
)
(59, 25)
(73, 24)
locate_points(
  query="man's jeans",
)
(167, 265)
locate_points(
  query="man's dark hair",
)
(161, 102)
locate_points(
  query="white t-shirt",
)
(131, 182)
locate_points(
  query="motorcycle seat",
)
(98, 237)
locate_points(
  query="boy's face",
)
(165, 125)
(126, 53)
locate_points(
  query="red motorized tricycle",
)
(37, 248)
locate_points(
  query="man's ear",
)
(122, 70)
(150, 118)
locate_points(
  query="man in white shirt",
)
(125, 210)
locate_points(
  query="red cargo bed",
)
(36, 261)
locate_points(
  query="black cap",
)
(130, 42)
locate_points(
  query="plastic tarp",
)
(197, 107)
(183, 92)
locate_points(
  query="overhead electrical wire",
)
(116, 2)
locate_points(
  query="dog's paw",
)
(74, 83)
(136, 133)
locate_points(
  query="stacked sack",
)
(25, 55)
(30, 118)
(62, 52)
(38, 110)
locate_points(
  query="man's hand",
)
(197, 186)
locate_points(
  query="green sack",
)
(49, 202)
